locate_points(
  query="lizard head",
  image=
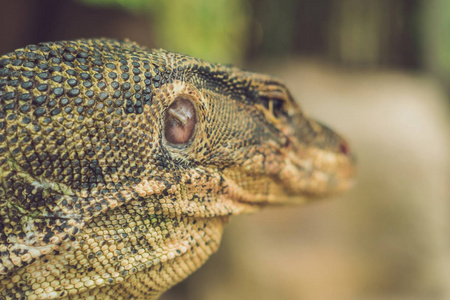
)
(246, 131)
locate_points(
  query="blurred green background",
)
(378, 71)
(358, 33)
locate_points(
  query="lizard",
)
(120, 165)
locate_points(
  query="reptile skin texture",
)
(120, 165)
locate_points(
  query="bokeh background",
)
(377, 71)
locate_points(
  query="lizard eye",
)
(180, 121)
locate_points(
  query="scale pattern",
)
(96, 203)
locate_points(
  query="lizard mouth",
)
(299, 181)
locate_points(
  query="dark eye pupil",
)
(180, 120)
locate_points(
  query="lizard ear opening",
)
(180, 121)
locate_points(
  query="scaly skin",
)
(97, 201)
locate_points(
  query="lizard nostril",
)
(344, 148)
(180, 121)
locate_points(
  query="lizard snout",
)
(324, 161)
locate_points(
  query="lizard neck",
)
(145, 255)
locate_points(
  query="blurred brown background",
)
(375, 70)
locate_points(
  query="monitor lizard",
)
(120, 165)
